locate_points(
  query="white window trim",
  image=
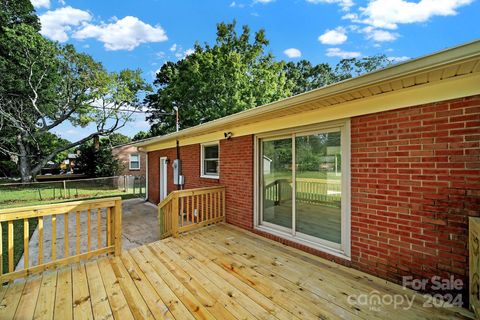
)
(207, 144)
(345, 251)
(163, 182)
(130, 161)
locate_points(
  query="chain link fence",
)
(14, 194)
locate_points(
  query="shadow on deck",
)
(217, 272)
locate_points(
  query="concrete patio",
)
(139, 227)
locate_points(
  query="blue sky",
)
(146, 33)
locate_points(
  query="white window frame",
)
(344, 250)
(202, 156)
(130, 161)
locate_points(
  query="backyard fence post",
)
(117, 227)
(124, 183)
(64, 189)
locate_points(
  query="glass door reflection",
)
(318, 185)
(276, 168)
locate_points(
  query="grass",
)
(17, 240)
(20, 196)
(38, 194)
(18, 230)
(277, 175)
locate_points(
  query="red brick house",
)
(379, 172)
(132, 160)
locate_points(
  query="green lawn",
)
(17, 196)
(37, 194)
(277, 175)
(17, 240)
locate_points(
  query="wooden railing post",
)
(117, 227)
(224, 200)
(161, 214)
(474, 264)
(175, 216)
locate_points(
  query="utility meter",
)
(177, 168)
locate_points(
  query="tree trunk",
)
(23, 161)
(25, 170)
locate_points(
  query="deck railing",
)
(307, 191)
(474, 248)
(187, 210)
(102, 220)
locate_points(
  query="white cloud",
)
(350, 16)
(389, 13)
(57, 23)
(344, 4)
(236, 5)
(189, 52)
(398, 59)
(292, 53)
(334, 37)
(337, 52)
(124, 34)
(173, 47)
(379, 35)
(263, 1)
(153, 73)
(41, 3)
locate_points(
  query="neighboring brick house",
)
(382, 171)
(133, 161)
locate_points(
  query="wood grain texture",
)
(219, 272)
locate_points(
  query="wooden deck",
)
(217, 272)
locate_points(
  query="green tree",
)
(98, 162)
(236, 74)
(349, 68)
(232, 75)
(303, 76)
(141, 135)
(116, 139)
(44, 85)
(16, 12)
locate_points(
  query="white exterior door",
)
(163, 178)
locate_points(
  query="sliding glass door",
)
(318, 186)
(277, 180)
(301, 187)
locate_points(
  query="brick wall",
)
(236, 174)
(415, 181)
(123, 154)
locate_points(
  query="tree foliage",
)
(116, 139)
(98, 162)
(141, 135)
(17, 12)
(44, 84)
(234, 74)
(216, 80)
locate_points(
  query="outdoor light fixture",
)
(228, 135)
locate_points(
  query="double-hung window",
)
(134, 163)
(210, 160)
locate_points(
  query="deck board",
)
(64, 295)
(219, 272)
(46, 297)
(28, 300)
(100, 306)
